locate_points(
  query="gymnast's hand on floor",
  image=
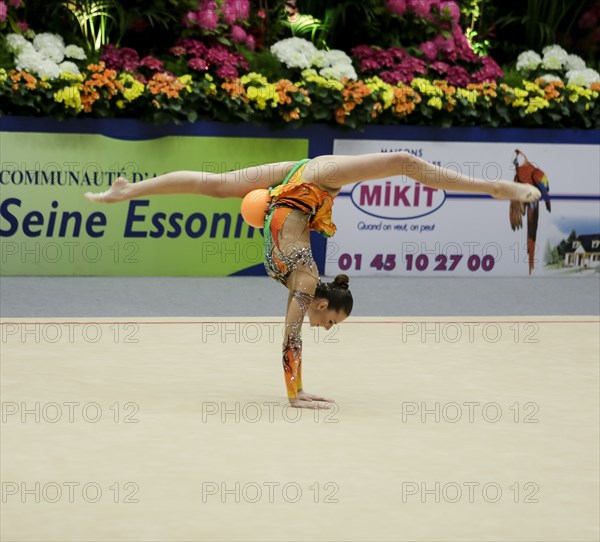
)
(305, 403)
(309, 397)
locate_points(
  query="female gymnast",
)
(302, 195)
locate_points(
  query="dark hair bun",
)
(341, 281)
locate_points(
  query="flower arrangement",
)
(447, 54)
(555, 64)
(45, 56)
(302, 54)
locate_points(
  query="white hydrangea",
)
(33, 62)
(52, 53)
(44, 57)
(16, 43)
(529, 60)
(574, 62)
(301, 53)
(548, 77)
(46, 40)
(337, 64)
(69, 67)
(583, 78)
(295, 52)
(554, 58)
(72, 51)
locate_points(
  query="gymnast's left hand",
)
(309, 397)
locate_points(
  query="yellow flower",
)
(520, 93)
(375, 84)
(519, 102)
(425, 87)
(469, 95)
(3, 75)
(254, 78)
(536, 103)
(577, 92)
(69, 76)
(70, 96)
(208, 77)
(533, 88)
(435, 101)
(132, 88)
(120, 104)
(186, 80)
(312, 77)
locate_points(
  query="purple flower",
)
(234, 10)
(429, 50)
(250, 42)
(227, 71)
(125, 59)
(463, 47)
(198, 64)
(3, 11)
(445, 46)
(440, 67)
(396, 6)
(421, 8)
(206, 16)
(238, 34)
(458, 76)
(192, 47)
(452, 9)
(490, 71)
(152, 63)
(190, 19)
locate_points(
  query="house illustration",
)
(584, 251)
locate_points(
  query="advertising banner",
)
(398, 227)
(48, 227)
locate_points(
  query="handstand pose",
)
(302, 196)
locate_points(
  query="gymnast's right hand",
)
(299, 403)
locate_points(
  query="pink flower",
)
(177, 50)
(227, 71)
(15, 3)
(238, 34)
(198, 64)
(190, 19)
(458, 76)
(261, 13)
(192, 47)
(440, 67)
(445, 46)
(490, 71)
(429, 50)
(421, 8)
(451, 9)
(206, 16)
(125, 59)
(153, 63)
(23, 26)
(462, 45)
(3, 11)
(396, 6)
(234, 10)
(250, 42)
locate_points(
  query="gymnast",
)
(302, 195)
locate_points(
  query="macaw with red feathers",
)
(527, 173)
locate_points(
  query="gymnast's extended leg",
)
(232, 184)
(334, 171)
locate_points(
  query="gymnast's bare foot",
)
(516, 191)
(117, 192)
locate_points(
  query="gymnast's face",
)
(320, 315)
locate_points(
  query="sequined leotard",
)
(296, 208)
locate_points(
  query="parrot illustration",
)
(527, 173)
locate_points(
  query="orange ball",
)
(254, 207)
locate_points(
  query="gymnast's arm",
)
(301, 284)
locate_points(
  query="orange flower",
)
(595, 86)
(17, 77)
(163, 83)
